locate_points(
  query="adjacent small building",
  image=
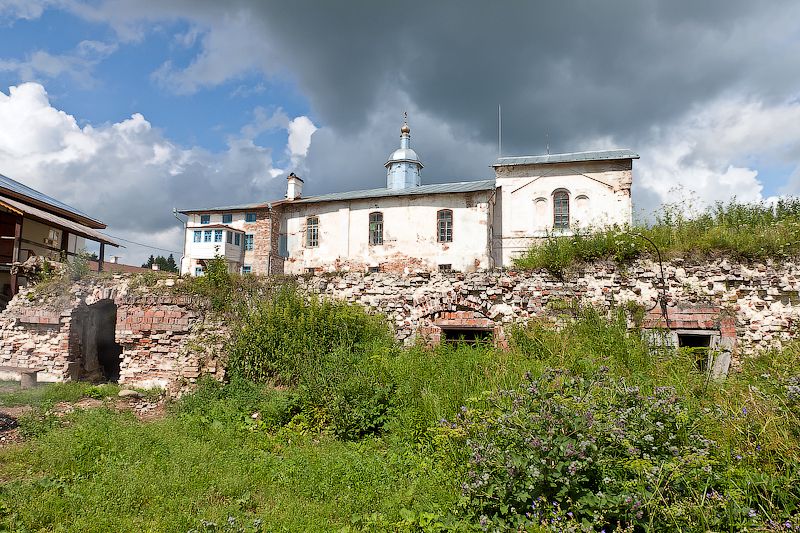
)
(409, 226)
(34, 224)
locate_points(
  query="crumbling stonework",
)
(757, 304)
(164, 339)
(161, 339)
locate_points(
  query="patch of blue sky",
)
(123, 82)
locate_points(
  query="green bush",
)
(742, 231)
(324, 348)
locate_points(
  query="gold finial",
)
(405, 128)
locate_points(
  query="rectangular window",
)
(217, 235)
(250, 217)
(444, 225)
(229, 237)
(205, 219)
(248, 241)
(247, 269)
(376, 228)
(312, 232)
(311, 270)
(207, 235)
(446, 267)
(198, 236)
(227, 218)
(198, 271)
(373, 269)
(237, 239)
(283, 245)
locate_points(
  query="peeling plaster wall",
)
(599, 195)
(409, 234)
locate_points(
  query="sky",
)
(126, 109)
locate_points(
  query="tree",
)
(167, 264)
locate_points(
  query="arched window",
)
(444, 225)
(376, 228)
(312, 232)
(561, 209)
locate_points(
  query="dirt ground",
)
(143, 408)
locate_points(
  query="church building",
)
(409, 226)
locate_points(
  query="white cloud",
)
(300, 131)
(233, 47)
(127, 173)
(77, 65)
(715, 152)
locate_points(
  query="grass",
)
(248, 451)
(741, 231)
(48, 395)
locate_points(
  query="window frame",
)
(197, 236)
(247, 269)
(218, 233)
(312, 232)
(205, 219)
(250, 217)
(375, 232)
(207, 235)
(237, 239)
(561, 201)
(441, 220)
(227, 218)
(249, 242)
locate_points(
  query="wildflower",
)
(752, 513)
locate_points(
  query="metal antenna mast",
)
(499, 131)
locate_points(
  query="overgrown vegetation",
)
(742, 231)
(326, 424)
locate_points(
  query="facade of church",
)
(408, 226)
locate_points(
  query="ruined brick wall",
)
(266, 232)
(761, 301)
(164, 339)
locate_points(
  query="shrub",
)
(323, 347)
(743, 231)
(567, 452)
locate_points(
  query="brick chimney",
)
(294, 187)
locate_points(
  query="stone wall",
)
(751, 306)
(157, 339)
(161, 338)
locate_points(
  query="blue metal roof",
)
(571, 157)
(437, 188)
(14, 186)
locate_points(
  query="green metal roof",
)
(571, 157)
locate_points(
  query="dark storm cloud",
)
(570, 69)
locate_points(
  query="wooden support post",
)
(15, 253)
(102, 257)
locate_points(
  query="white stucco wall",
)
(409, 234)
(599, 196)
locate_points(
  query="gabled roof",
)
(571, 157)
(49, 218)
(241, 207)
(437, 188)
(28, 195)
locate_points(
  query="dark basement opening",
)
(699, 345)
(103, 324)
(468, 336)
